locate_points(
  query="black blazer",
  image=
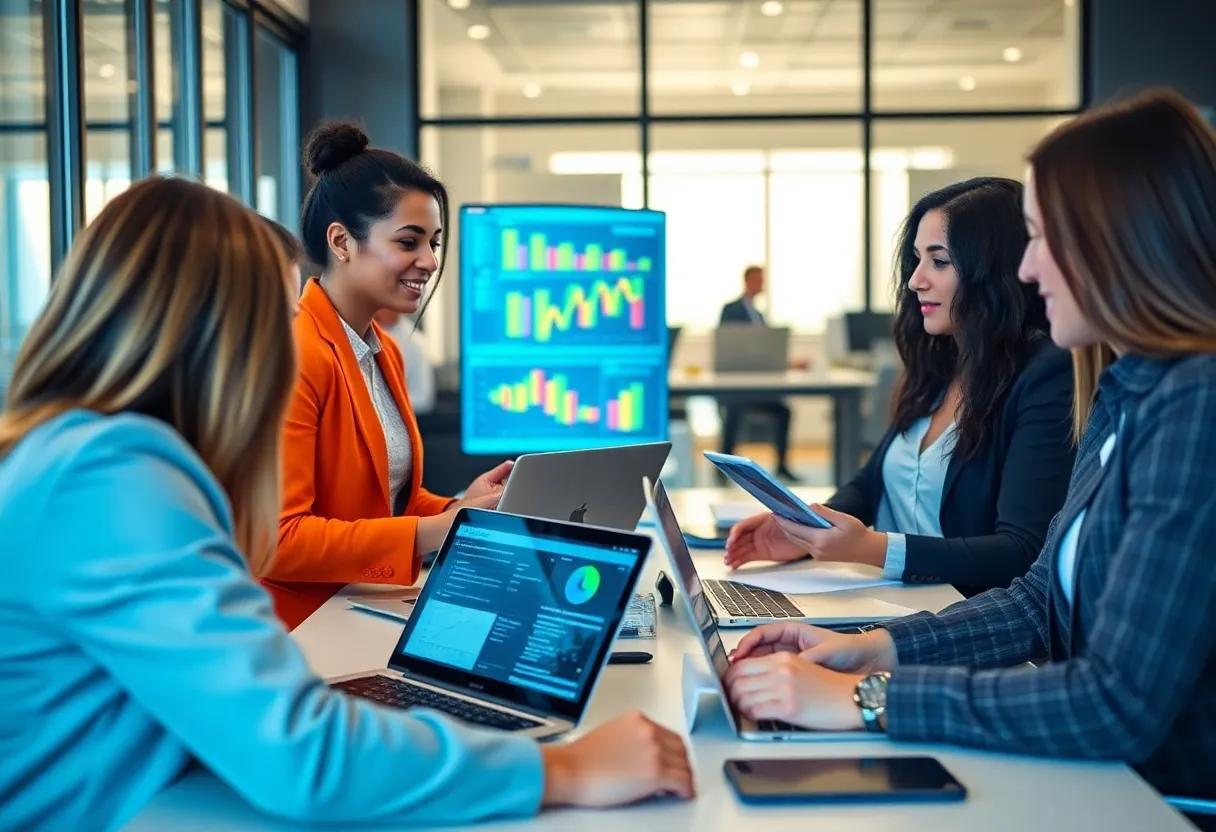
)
(735, 312)
(996, 506)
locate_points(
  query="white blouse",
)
(396, 435)
(912, 487)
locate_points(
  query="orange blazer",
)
(337, 525)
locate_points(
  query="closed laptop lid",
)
(751, 348)
(598, 486)
(522, 610)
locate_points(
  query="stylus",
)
(630, 657)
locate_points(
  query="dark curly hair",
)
(998, 319)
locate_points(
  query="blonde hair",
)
(1088, 364)
(175, 303)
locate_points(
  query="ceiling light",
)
(458, 5)
(966, 83)
(740, 88)
(478, 31)
(106, 71)
(531, 90)
(771, 8)
(749, 60)
(1012, 55)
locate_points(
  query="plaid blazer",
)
(1130, 669)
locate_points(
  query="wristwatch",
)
(871, 696)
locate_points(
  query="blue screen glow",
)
(563, 327)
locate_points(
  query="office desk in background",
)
(1005, 793)
(843, 387)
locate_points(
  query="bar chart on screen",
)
(596, 405)
(554, 396)
(599, 310)
(535, 252)
(563, 327)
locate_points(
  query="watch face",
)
(872, 691)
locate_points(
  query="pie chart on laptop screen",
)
(582, 585)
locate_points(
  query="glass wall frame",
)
(1027, 62)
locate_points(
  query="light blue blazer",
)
(133, 641)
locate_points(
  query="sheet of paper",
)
(807, 577)
(728, 514)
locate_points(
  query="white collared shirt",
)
(396, 435)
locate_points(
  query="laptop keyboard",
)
(401, 694)
(776, 726)
(743, 601)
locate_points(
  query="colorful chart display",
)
(563, 327)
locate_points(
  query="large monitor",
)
(563, 336)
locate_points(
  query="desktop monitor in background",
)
(563, 327)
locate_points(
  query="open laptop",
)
(514, 623)
(736, 604)
(597, 486)
(704, 618)
(749, 348)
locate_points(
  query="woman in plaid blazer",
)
(1117, 611)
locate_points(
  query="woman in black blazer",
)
(963, 486)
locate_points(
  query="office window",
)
(106, 86)
(166, 58)
(573, 164)
(278, 115)
(25, 244)
(982, 55)
(788, 197)
(913, 157)
(536, 58)
(744, 56)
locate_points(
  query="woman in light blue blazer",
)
(139, 476)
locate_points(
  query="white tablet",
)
(767, 489)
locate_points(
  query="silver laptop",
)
(736, 604)
(704, 619)
(514, 624)
(750, 348)
(598, 486)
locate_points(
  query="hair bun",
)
(332, 144)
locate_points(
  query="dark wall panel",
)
(1138, 43)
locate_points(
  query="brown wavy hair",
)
(1128, 197)
(174, 303)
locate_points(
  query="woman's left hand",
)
(848, 540)
(484, 491)
(786, 687)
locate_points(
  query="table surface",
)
(792, 382)
(1004, 792)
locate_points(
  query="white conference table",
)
(843, 386)
(1004, 792)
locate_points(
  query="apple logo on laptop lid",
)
(578, 515)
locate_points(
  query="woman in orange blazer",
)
(354, 509)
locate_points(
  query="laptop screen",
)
(688, 580)
(522, 610)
